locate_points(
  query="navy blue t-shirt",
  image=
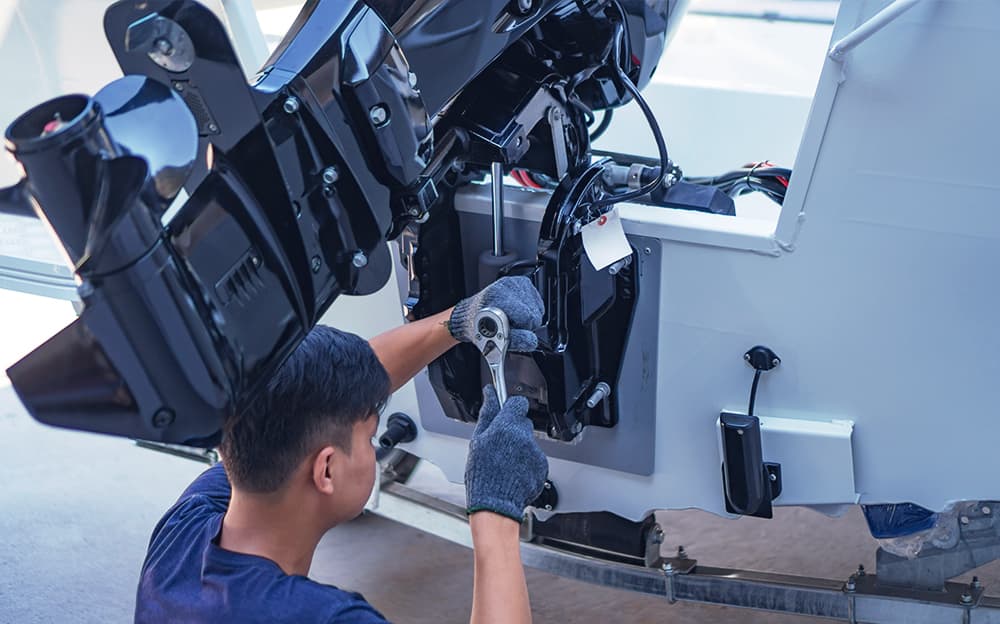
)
(187, 577)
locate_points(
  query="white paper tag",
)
(604, 240)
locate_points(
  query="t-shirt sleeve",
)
(357, 610)
(213, 484)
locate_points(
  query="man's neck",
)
(272, 526)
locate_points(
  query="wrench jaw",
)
(492, 339)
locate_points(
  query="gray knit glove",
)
(517, 297)
(505, 469)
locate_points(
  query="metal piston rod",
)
(858, 599)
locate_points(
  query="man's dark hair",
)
(330, 382)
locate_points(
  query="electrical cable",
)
(753, 391)
(654, 126)
(603, 126)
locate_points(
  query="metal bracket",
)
(555, 117)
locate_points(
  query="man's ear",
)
(322, 469)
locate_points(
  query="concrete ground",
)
(76, 510)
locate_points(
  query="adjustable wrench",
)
(492, 338)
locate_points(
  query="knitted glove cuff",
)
(497, 506)
(461, 323)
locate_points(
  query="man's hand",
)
(506, 469)
(517, 297)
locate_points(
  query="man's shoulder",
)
(337, 605)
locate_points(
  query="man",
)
(300, 461)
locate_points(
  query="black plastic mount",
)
(749, 483)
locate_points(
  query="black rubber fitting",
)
(401, 429)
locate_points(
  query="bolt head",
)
(775, 362)
(163, 46)
(548, 508)
(291, 105)
(647, 251)
(964, 519)
(986, 510)
(851, 586)
(179, 86)
(330, 175)
(213, 128)
(379, 115)
(163, 418)
(547, 486)
(316, 264)
(413, 80)
(360, 260)
(966, 598)
(746, 356)
(668, 567)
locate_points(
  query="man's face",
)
(355, 471)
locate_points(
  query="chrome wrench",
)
(492, 338)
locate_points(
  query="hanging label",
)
(604, 240)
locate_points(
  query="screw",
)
(213, 128)
(775, 362)
(519, 141)
(163, 418)
(519, 388)
(413, 80)
(851, 585)
(658, 536)
(360, 260)
(291, 105)
(668, 568)
(986, 510)
(966, 598)
(647, 251)
(164, 46)
(316, 264)
(330, 175)
(577, 427)
(547, 486)
(746, 356)
(681, 553)
(773, 477)
(964, 519)
(254, 260)
(378, 114)
(554, 432)
(976, 583)
(548, 508)
(861, 570)
(179, 86)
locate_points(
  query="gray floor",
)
(76, 511)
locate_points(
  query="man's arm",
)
(500, 593)
(405, 350)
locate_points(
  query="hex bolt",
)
(681, 553)
(163, 46)
(163, 418)
(976, 583)
(775, 362)
(964, 519)
(378, 114)
(179, 86)
(213, 128)
(547, 486)
(986, 510)
(360, 260)
(851, 585)
(330, 175)
(861, 570)
(668, 568)
(291, 105)
(316, 264)
(658, 536)
(548, 508)
(966, 598)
